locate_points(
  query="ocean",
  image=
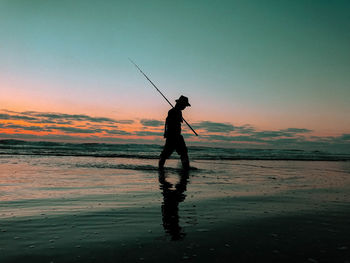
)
(71, 176)
(70, 202)
(151, 151)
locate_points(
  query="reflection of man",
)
(172, 133)
(170, 206)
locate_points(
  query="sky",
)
(257, 73)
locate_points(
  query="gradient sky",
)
(267, 65)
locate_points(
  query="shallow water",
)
(98, 209)
(151, 151)
(34, 185)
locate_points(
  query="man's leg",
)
(165, 154)
(185, 161)
(161, 162)
(181, 149)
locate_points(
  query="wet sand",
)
(55, 210)
(223, 230)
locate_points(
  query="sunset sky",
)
(257, 73)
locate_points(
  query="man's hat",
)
(183, 100)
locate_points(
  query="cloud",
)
(4, 116)
(59, 118)
(148, 133)
(72, 138)
(289, 132)
(245, 129)
(48, 124)
(151, 123)
(74, 117)
(345, 137)
(48, 121)
(218, 127)
(51, 128)
(65, 129)
(125, 121)
(27, 128)
(259, 137)
(296, 130)
(74, 129)
(248, 134)
(117, 132)
(272, 134)
(339, 144)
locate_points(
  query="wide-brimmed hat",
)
(183, 100)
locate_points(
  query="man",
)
(172, 196)
(172, 133)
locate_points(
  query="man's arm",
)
(165, 128)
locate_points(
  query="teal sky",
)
(270, 64)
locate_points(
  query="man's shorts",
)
(174, 143)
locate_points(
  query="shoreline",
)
(92, 210)
(246, 230)
(177, 158)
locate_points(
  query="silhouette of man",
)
(170, 206)
(172, 133)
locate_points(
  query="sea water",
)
(39, 178)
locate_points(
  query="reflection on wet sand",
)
(172, 196)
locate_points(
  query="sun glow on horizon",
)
(256, 74)
(54, 126)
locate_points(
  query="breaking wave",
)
(143, 151)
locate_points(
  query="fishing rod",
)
(161, 94)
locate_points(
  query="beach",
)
(245, 102)
(122, 209)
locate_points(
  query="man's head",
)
(182, 102)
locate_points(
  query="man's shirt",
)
(173, 123)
